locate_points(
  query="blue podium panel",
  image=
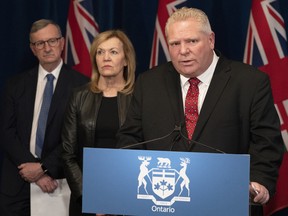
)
(142, 182)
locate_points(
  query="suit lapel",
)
(218, 83)
(59, 93)
(173, 86)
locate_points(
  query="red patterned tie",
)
(191, 106)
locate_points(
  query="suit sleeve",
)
(13, 142)
(131, 131)
(266, 143)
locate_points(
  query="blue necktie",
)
(47, 96)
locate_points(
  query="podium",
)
(142, 182)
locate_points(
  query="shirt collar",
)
(205, 77)
(55, 72)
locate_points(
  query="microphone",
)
(178, 137)
(199, 143)
(176, 128)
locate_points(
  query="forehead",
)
(183, 28)
(49, 31)
(111, 43)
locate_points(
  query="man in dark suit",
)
(235, 107)
(21, 107)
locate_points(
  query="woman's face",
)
(110, 58)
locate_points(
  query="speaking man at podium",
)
(204, 102)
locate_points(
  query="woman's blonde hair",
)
(130, 57)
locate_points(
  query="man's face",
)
(190, 49)
(49, 55)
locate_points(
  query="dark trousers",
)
(18, 205)
(75, 208)
(256, 210)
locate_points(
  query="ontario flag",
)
(159, 53)
(266, 48)
(80, 31)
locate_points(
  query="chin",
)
(188, 73)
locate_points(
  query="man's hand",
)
(258, 193)
(30, 172)
(47, 184)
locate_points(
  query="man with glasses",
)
(31, 119)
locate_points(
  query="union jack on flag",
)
(160, 52)
(266, 48)
(80, 32)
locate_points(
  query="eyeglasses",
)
(52, 42)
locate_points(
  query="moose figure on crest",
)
(143, 172)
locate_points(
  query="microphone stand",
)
(176, 128)
(199, 143)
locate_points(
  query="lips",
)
(107, 66)
(187, 62)
(49, 55)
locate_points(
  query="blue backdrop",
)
(229, 20)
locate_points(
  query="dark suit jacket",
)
(237, 116)
(16, 124)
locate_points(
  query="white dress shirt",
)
(39, 98)
(205, 79)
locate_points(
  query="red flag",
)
(266, 48)
(159, 53)
(80, 32)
